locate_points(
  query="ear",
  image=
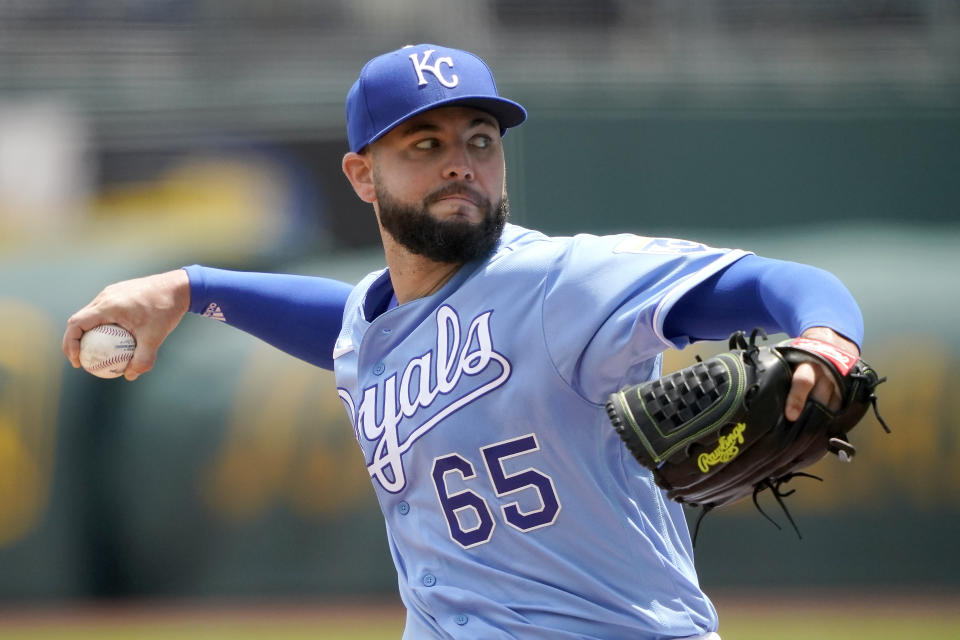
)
(359, 171)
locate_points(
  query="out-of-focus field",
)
(743, 617)
(851, 615)
(191, 621)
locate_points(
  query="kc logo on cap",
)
(420, 65)
(396, 86)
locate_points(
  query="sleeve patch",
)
(643, 244)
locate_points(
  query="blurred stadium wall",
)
(141, 136)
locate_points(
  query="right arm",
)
(298, 314)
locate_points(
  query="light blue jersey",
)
(513, 510)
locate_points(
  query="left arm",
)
(778, 296)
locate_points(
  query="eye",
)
(427, 143)
(481, 141)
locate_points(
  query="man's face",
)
(439, 181)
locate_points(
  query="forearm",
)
(300, 315)
(776, 295)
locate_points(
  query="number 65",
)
(455, 504)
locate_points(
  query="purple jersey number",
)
(504, 484)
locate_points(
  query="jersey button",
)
(429, 580)
(403, 507)
(461, 619)
(378, 368)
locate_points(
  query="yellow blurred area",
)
(58, 192)
(219, 207)
(287, 442)
(29, 391)
(214, 204)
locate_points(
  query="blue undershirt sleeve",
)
(300, 315)
(777, 295)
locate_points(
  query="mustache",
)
(458, 189)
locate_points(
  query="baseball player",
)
(474, 368)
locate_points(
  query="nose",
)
(458, 165)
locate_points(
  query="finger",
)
(804, 378)
(71, 344)
(144, 357)
(78, 324)
(826, 392)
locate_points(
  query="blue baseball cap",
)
(396, 86)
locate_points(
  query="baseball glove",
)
(715, 432)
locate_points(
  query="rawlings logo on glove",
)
(725, 451)
(715, 432)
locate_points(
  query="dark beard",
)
(450, 241)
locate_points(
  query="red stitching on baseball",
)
(109, 330)
(103, 364)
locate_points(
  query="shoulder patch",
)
(643, 244)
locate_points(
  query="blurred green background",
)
(137, 137)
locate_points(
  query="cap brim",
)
(507, 112)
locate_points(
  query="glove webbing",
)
(675, 399)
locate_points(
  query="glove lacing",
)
(773, 484)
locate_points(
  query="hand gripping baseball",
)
(717, 431)
(149, 308)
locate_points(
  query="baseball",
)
(106, 350)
